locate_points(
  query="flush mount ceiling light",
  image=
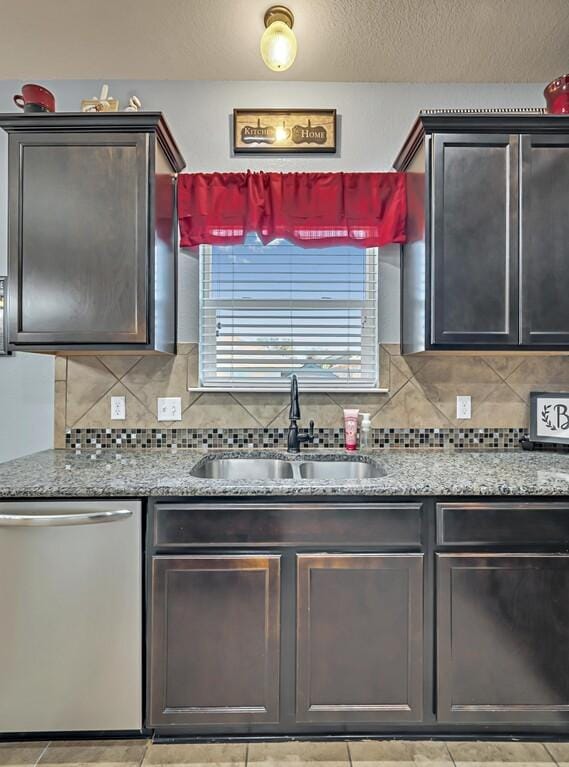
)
(278, 43)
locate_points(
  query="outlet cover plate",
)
(169, 408)
(463, 406)
(118, 408)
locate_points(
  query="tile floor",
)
(368, 753)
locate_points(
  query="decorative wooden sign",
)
(284, 130)
(549, 417)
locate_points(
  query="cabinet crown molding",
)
(476, 121)
(137, 122)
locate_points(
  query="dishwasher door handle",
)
(58, 520)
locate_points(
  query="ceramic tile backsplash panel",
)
(421, 398)
(229, 439)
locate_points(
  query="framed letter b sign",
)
(549, 417)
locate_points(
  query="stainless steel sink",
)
(255, 467)
(243, 468)
(342, 469)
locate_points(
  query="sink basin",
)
(243, 468)
(343, 469)
(255, 467)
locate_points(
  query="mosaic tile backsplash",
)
(229, 439)
(418, 410)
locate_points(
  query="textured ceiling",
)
(339, 40)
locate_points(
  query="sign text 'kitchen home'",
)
(279, 130)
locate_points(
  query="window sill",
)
(286, 390)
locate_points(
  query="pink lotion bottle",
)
(351, 428)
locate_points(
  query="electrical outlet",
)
(118, 408)
(464, 406)
(169, 408)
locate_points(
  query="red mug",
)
(557, 96)
(35, 98)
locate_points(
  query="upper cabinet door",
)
(474, 279)
(545, 240)
(79, 237)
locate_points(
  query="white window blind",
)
(268, 311)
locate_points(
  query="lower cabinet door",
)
(359, 637)
(503, 638)
(215, 629)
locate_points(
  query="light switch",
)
(169, 408)
(118, 408)
(463, 406)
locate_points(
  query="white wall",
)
(26, 394)
(26, 380)
(374, 119)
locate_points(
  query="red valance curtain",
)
(309, 209)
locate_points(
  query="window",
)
(268, 311)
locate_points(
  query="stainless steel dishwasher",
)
(70, 616)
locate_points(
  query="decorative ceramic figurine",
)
(104, 103)
(134, 104)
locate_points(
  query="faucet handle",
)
(311, 428)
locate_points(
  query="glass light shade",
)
(278, 46)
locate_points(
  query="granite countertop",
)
(108, 473)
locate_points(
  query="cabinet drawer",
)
(487, 524)
(263, 524)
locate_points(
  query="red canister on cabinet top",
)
(35, 98)
(557, 96)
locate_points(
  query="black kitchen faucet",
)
(296, 438)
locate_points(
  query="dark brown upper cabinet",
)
(486, 264)
(544, 239)
(92, 232)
